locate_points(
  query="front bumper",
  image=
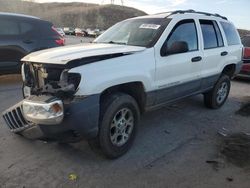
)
(81, 118)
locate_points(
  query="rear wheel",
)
(216, 97)
(118, 125)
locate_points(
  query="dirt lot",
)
(177, 146)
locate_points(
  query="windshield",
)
(135, 32)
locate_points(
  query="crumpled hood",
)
(62, 55)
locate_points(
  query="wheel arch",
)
(229, 70)
(135, 89)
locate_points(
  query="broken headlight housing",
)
(43, 113)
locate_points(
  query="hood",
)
(62, 55)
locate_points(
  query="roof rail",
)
(195, 12)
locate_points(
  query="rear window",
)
(46, 29)
(212, 37)
(231, 33)
(8, 27)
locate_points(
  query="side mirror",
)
(176, 48)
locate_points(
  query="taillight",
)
(54, 29)
(60, 41)
(246, 53)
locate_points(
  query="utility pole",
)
(112, 2)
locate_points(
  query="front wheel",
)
(216, 97)
(118, 124)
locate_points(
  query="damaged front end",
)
(49, 79)
(50, 108)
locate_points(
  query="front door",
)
(179, 74)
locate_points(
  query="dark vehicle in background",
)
(22, 34)
(245, 70)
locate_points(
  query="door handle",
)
(196, 59)
(28, 41)
(224, 53)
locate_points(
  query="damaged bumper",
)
(80, 120)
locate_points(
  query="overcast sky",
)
(237, 11)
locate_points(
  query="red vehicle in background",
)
(245, 70)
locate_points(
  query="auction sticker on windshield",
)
(150, 26)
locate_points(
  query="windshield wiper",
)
(113, 42)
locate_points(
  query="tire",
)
(216, 97)
(116, 132)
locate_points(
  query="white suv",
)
(98, 91)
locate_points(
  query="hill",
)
(83, 15)
(243, 32)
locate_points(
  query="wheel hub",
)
(121, 127)
(222, 93)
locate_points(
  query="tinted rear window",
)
(209, 34)
(231, 33)
(212, 37)
(46, 29)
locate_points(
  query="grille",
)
(14, 118)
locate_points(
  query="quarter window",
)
(231, 33)
(211, 34)
(25, 28)
(184, 31)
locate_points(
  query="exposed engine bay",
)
(50, 79)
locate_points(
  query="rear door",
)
(214, 52)
(17, 38)
(10, 51)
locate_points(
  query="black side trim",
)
(171, 94)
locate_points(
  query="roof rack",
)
(193, 11)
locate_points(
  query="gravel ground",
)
(177, 146)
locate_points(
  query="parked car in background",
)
(22, 34)
(60, 31)
(245, 70)
(69, 30)
(93, 33)
(80, 32)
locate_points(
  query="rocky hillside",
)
(72, 14)
(243, 32)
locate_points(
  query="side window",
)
(8, 27)
(25, 28)
(211, 34)
(231, 33)
(184, 31)
(219, 36)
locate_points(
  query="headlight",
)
(23, 73)
(43, 113)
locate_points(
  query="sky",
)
(238, 11)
